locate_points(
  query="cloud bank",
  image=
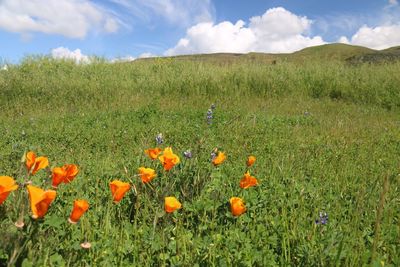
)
(276, 31)
(70, 18)
(65, 53)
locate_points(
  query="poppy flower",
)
(219, 158)
(34, 164)
(80, 207)
(168, 159)
(237, 206)
(172, 204)
(248, 181)
(40, 200)
(119, 189)
(7, 184)
(147, 174)
(64, 174)
(250, 161)
(153, 152)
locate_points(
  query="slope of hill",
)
(338, 52)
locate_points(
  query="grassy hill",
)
(325, 134)
(336, 52)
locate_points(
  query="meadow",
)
(325, 134)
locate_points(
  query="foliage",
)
(325, 137)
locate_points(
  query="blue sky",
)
(138, 28)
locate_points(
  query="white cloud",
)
(178, 12)
(393, 2)
(343, 40)
(276, 31)
(379, 37)
(147, 55)
(71, 18)
(65, 53)
(123, 59)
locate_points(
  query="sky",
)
(130, 29)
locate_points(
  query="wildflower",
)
(7, 184)
(209, 116)
(168, 159)
(220, 157)
(80, 207)
(34, 164)
(19, 224)
(212, 106)
(153, 152)
(159, 139)
(248, 181)
(147, 174)
(237, 206)
(187, 154)
(323, 218)
(86, 245)
(250, 161)
(172, 204)
(64, 174)
(40, 200)
(118, 189)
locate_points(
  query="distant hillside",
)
(387, 55)
(330, 51)
(340, 52)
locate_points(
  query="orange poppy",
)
(147, 174)
(119, 189)
(80, 207)
(153, 152)
(40, 200)
(219, 158)
(237, 206)
(248, 181)
(34, 164)
(250, 161)
(172, 204)
(64, 174)
(7, 184)
(168, 159)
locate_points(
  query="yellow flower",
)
(250, 161)
(219, 158)
(172, 204)
(147, 174)
(34, 164)
(237, 206)
(80, 207)
(153, 152)
(168, 159)
(119, 189)
(40, 200)
(248, 181)
(7, 184)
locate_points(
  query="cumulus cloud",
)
(380, 37)
(123, 59)
(71, 18)
(65, 53)
(276, 31)
(393, 2)
(147, 55)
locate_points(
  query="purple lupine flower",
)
(187, 154)
(209, 116)
(159, 139)
(323, 218)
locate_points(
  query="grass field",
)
(326, 137)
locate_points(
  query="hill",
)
(338, 52)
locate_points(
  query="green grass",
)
(326, 135)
